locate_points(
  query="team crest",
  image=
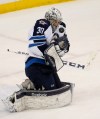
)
(42, 22)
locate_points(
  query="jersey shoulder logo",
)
(42, 22)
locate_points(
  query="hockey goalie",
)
(43, 89)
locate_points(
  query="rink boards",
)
(13, 5)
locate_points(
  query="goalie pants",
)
(43, 76)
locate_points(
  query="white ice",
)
(82, 19)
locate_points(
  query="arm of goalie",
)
(53, 58)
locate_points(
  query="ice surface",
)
(82, 19)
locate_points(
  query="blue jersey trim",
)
(36, 44)
(34, 60)
(37, 38)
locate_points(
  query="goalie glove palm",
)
(63, 43)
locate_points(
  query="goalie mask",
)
(54, 16)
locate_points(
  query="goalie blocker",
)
(31, 99)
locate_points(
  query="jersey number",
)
(40, 30)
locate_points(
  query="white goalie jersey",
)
(40, 38)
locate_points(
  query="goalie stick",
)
(90, 60)
(17, 52)
(92, 56)
(72, 64)
(68, 63)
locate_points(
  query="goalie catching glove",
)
(61, 44)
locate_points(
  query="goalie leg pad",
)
(29, 99)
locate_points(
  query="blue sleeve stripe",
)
(36, 44)
(34, 60)
(37, 38)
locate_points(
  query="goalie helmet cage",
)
(31, 99)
